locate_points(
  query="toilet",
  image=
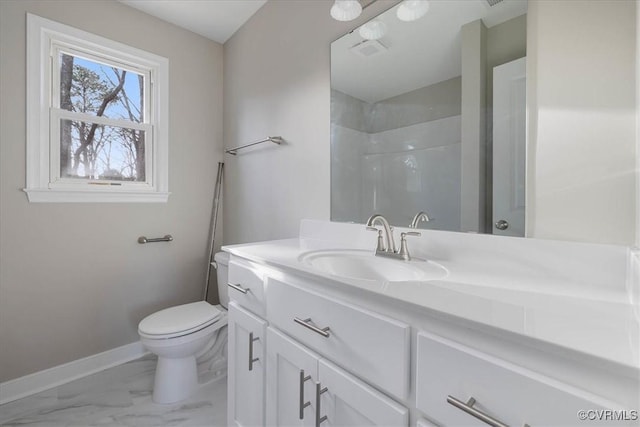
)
(177, 335)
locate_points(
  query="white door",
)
(347, 401)
(292, 372)
(246, 395)
(509, 132)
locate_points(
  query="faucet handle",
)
(404, 249)
(380, 245)
(410, 233)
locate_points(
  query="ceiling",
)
(416, 54)
(214, 19)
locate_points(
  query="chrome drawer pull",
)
(469, 409)
(319, 390)
(303, 404)
(307, 324)
(251, 358)
(238, 288)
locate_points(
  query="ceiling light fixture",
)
(373, 30)
(411, 10)
(346, 10)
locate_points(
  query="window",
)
(97, 118)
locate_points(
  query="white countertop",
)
(601, 322)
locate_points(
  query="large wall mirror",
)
(428, 114)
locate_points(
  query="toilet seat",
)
(179, 320)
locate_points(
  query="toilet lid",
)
(181, 319)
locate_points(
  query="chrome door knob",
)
(501, 224)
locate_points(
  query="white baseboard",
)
(62, 374)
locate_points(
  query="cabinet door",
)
(246, 395)
(292, 372)
(347, 401)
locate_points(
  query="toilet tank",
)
(222, 268)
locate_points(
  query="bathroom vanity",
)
(475, 330)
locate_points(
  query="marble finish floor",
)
(119, 396)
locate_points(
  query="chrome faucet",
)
(389, 250)
(390, 244)
(420, 216)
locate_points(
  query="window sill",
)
(46, 195)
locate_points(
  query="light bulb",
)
(373, 30)
(346, 10)
(411, 10)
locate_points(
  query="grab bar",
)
(142, 240)
(275, 139)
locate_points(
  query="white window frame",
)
(45, 40)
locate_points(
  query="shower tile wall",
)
(415, 168)
(349, 139)
(397, 156)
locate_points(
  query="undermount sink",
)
(364, 265)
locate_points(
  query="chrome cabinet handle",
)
(303, 404)
(319, 418)
(469, 409)
(307, 324)
(252, 360)
(238, 288)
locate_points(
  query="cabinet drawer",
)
(372, 346)
(246, 285)
(511, 394)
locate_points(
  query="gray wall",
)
(473, 152)
(349, 112)
(277, 76)
(433, 102)
(73, 280)
(581, 157)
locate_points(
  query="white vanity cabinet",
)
(358, 357)
(303, 389)
(246, 369)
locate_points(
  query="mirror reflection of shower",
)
(411, 116)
